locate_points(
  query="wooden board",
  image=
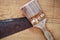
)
(51, 9)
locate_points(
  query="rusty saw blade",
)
(11, 26)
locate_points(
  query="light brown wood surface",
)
(52, 11)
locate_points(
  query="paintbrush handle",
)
(48, 35)
(42, 26)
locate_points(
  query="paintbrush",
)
(37, 17)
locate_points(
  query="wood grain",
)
(51, 9)
(10, 9)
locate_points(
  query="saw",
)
(11, 26)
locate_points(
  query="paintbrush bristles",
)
(31, 9)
